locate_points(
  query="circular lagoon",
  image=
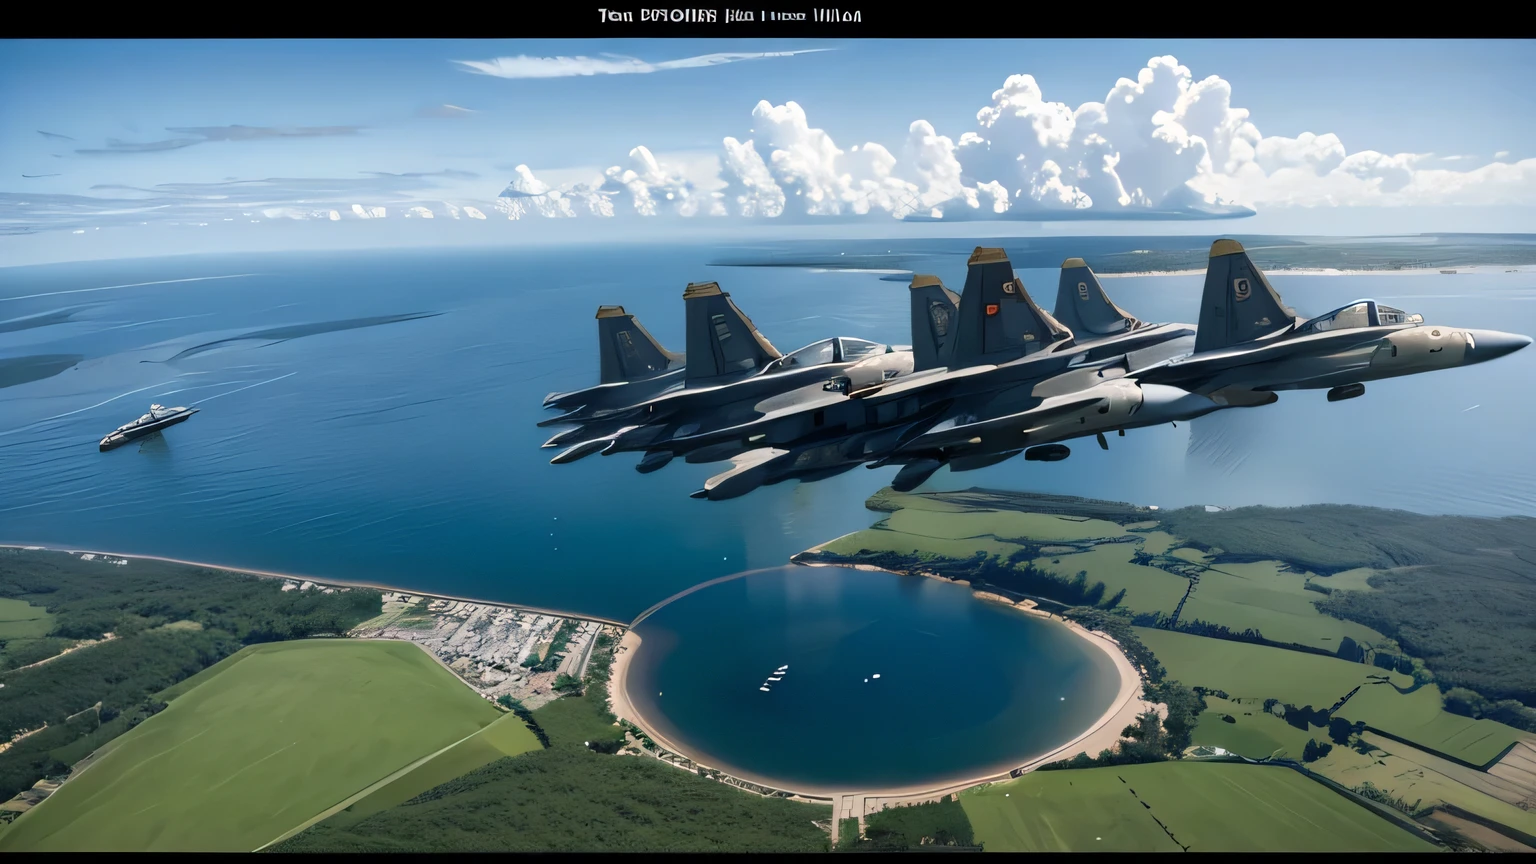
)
(828, 678)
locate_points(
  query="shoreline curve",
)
(1103, 733)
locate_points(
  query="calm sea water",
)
(407, 453)
(892, 681)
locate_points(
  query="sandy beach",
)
(1103, 733)
(327, 583)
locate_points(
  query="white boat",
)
(775, 679)
(764, 689)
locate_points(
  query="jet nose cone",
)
(1485, 345)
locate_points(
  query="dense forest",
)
(1457, 592)
(571, 799)
(167, 622)
(936, 823)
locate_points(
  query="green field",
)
(1275, 602)
(508, 735)
(280, 733)
(1147, 589)
(21, 620)
(22, 627)
(1253, 733)
(882, 540)
(1406, 778)
(1206, 806)
(1004, 524)
(1263, 596)
(1259, 672)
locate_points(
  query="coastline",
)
(1104, 732)
(328, 583)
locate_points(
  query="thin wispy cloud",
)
(54, 136)
(254, 133)
(115, 146)
(524, 66)
(204, 134)
(445, 110)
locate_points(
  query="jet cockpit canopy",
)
(841, 349)
(1361, 313)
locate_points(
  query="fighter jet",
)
(1250, 345)
(999, 355)
(733, 376)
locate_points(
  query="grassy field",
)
(506, 736)
(1253, 733)
(1350, 580)
(22, 624)
(21, 620)
(1259, 672)
(884, 540)
(1260, 595)
(568, 798)
(1147, 589)
(1275, 602)
(1206, 807)
(1408, 779)
(1003, 524)
(272, 737)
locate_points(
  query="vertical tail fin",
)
(933, 322)
(627, 351)
(997, 319)
(1238, 304)
(721, 339)
(1084, 307)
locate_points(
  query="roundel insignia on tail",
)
(1008, 287)
(1241, 289)
(1082, 290)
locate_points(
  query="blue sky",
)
(1410, 103)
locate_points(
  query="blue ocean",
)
(370, 415)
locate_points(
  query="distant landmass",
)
(1155, 254)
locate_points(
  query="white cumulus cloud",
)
(525, 66)
(1161, 144)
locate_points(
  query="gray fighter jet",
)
(999, 355)
(1248, 347)
(733, 375)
